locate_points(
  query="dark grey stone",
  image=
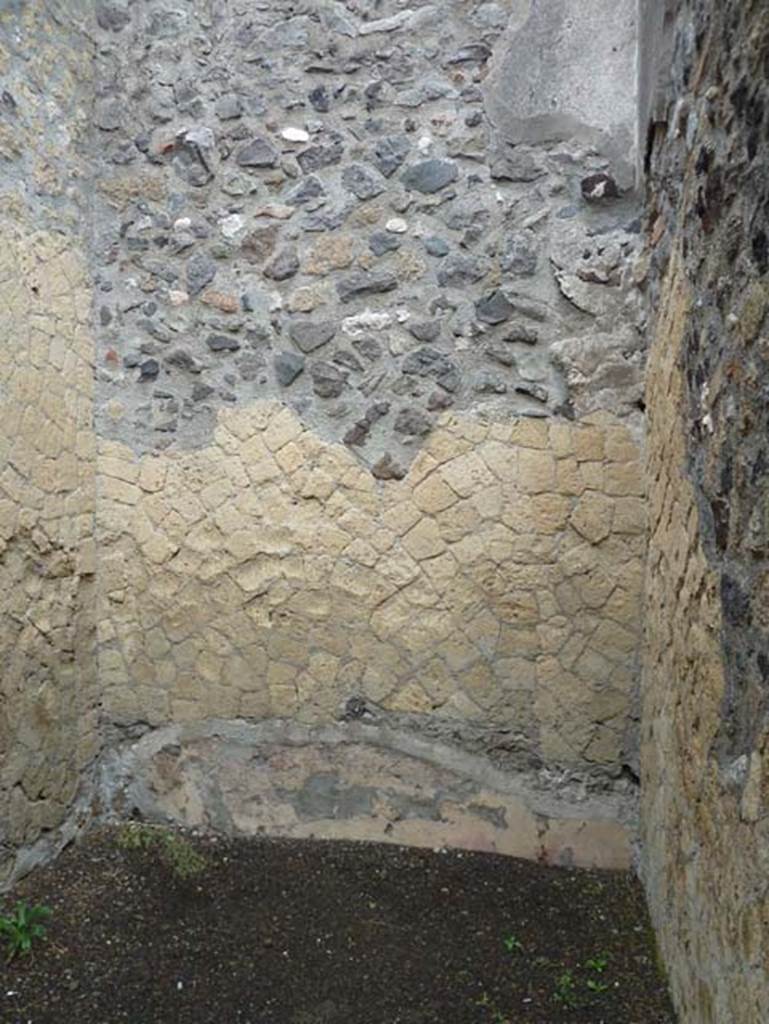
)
(369, 348)
(428, 362)
(361, 182)
(310, 335)
(202, 391)
(361, 284)
(305, 192)
(324, 154)
(425, 330)
(319, 99)
(382, 242)
(390, 152)
(222, 343)
(258, 153)
(437, 246)
(288, 366)
(200, 271)
(494, 308)
(328, 381)
(112, 15)
(521, 333)
(489, 384)
(535, 391)
(181, 359)
(597, 188)
(519, 255)
(459, 270)
(473, 53)
(502, 354)
(412, 422)
(149, 369)
(283, 266)
(429, 176)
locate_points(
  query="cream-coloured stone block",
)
(466, 474)
(536, 470)
(592, 516)
(434, 495)
(424, 540)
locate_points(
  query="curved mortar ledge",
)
(359, 782)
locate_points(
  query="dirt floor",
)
(285, 932)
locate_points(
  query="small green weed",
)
(176, 852)
(566, 989)
(512, 944)
(495, 1014)
(23, 927)
(598, 963)
(597, 986)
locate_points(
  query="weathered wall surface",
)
(705, 784)
(354, 347)
(48, 696)
(490, 599)
(367, 384)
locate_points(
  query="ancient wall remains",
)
(705, 784)
(367, 389)
(369, 377)
(48, 696)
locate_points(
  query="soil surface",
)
(287, 932)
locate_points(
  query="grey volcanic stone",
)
(412, 422)
(457, 271)
(309, 335)
(428, 362)
(258, 153)
(328, 381)
(222, 343)
(228, 107)
(358, 285)
(536, 391)
(494, 309)
(319, 100)
(382, 242)
(288, 366)
(325, 154)
(149, 369)
(599, 187)
(112, 15)
(425, 330)
(519, 255)
(430, 176)
(285, 265)
(361, 182)
(390, 152)
(522, 333)
(201, 270)
(307, 190)
(437, 246)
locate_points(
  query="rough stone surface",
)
(356, 780)
(705, 740)
(328, 474)
(368, 177)
(49, 726)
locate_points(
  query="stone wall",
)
(369, 378)
(368, 397)
(48, 697)
(705, 784)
